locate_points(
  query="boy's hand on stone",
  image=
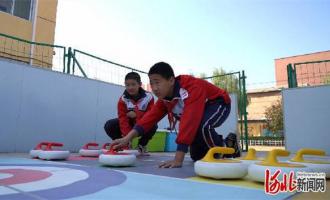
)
(131, 114)
(170, 164)
(119, 143)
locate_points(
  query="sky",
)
(197, 36)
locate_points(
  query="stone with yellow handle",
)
(211, 167)
(250, 157)
(312, 152)
(257, 170)
(320, 166)
(271, 159)
(209, 157)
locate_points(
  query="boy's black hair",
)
(163, 69)
(133, 76)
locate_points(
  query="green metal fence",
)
(33, 53)
(91, 66)
(235, 82)
(308, 73)
(66, 60)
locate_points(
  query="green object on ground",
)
(156, 144)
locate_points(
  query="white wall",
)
(38, 104)
(307, 118)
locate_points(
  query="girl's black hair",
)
(133, 76)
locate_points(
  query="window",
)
(6, 5)
(19, 8)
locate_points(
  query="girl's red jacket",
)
(140, 105)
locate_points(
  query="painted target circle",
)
(19, 176)
(5, 175)
(53, 181)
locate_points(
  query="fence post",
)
(244, 112)
(74, 63)
(69, 55)
(64, 59)
(292, 76)
(288, 70)
(240, 108)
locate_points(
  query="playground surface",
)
(84, 178)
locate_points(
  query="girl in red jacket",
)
(132, 105)
(199, 105)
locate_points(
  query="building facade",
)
(311, 69)
(31, 20)
(259, 101)
(315, 71)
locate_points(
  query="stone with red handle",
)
(90, 150)
(54, 154)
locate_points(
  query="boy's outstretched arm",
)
(121, 142)
(177, 162)
(150, 119)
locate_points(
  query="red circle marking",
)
(23, 176)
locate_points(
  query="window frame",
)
(30, 12)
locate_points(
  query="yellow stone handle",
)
(300, 154)
(251, 155)
(209, 157)
(271, 158)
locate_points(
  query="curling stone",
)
(250, 157)
(130, 151)
(34, 153)
(220, 168)
(313, 165)
(52, 154)
(256, 171)
(105, 147)
(117, 159)
(90, 152)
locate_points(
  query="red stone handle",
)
(106, 145)
(113, 151)
(40, 145)
(91, 144)
(53, 144)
